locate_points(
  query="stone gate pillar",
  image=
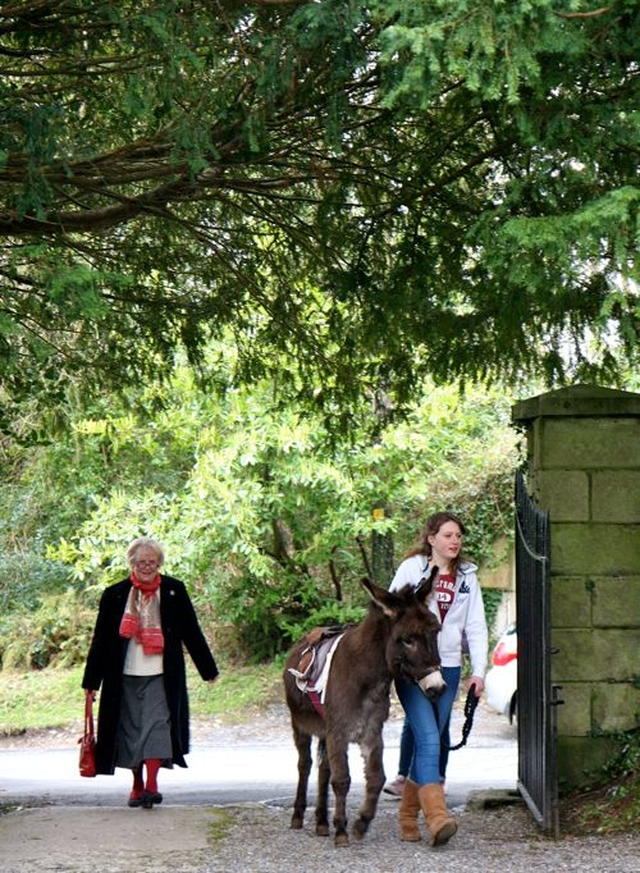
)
(583, 446)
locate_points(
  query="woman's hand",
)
(478, 683)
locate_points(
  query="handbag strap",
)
(88, 714)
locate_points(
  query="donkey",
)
(398, 637)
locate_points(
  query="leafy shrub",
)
(611, 802)
(265, 617)
(56, 634)
(491, 597)
(25, 577)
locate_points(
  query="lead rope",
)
(469, 711)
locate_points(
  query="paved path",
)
(255, 762)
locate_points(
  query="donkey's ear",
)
(383, 599)
(426, 585)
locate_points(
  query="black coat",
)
(105, 663)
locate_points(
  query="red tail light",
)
(503, 655)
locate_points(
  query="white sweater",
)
(466, 613)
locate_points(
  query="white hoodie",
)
(466, 613)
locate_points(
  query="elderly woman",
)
(136, 654)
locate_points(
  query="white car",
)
(501, 681)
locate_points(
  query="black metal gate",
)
(537, 699)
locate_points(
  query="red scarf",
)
(141, 618)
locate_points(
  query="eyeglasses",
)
(147, 564)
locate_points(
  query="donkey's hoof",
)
(322, 830)
(341, 840)
(296, 823)
(359, 829)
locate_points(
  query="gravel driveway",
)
(257, 839)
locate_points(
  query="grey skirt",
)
(144, 730)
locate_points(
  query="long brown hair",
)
(432, 525)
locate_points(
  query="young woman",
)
(457, 601)
(136, 655)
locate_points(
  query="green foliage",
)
(492, 598)
(54, 634)
(611, 804)
(270, 526)
(25, 577)
(360, 195)
(265, 614)
(627, 759)
(267, 519)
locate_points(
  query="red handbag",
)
(88, 740)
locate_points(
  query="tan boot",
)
(442, 826)
(409, 810)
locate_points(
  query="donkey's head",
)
(411, 634)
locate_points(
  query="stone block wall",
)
(584, 468)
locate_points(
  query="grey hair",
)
(144, 543)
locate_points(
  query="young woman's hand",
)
(478, 683)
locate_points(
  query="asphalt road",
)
(255, 762)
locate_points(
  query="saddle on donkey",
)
(312, 671)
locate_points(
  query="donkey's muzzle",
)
(433, 684)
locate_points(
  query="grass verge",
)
(50, 698)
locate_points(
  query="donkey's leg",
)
(303, 745)
(322, 802)
(340, 782)
(371, 749)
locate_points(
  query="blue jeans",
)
(424, 744)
